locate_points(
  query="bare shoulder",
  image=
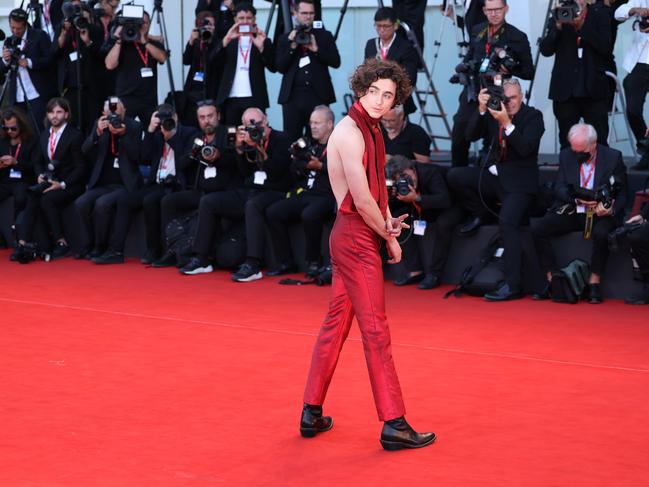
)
(346, 134)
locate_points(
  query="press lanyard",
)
(487, 47)
(579, 36)
(585, 178)
(113, 149)
(144, 57)
(503, 144)
(52, 144)
(246, 53)
(15, 156)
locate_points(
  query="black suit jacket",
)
(70, 167)
(597, 45)
(96, 148)
(518, 172)
(42, 71)
(66, 69)
(196, 56)
(258, 63)
(27, 161)
(287, 62)
(432, 187)
(403, 52)
(277, 166)
(181, 143)
(609, 163)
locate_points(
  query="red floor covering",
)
(128, 376)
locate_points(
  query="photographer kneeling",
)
(113, 146)
(585, 165)
(420, 190)
(509, 176)
(311, 200)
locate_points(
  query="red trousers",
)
(357, 289)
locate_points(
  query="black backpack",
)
(570, 283)
(180, 237)
(485, 275)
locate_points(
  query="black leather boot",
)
(313, 422)
(398, 434)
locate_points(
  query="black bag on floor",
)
(230, 251)
(570, 283)
(485, 275)
(179, 235)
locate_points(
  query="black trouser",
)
(213, 207)
(312, 210)
(445, 225)
(255, 211)
(639, 241)
(91, 107)
(553, 225)
(96, 207)
(37, 109)
(460, 144)
(414, 13)
(636, 85)
(233, 109)
(297, 112)
(50, 205)
(594, 112)
(17, 189)
(513, 217)
(140, 107)
(178, 204)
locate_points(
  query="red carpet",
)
(127, 376)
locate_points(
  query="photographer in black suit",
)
(245, 53)
(113, 147)
(223, 13)
(309, 201)
(639, 241)
(390, 44)
(421, 191)
(61, 177)
(203, 76)
(28, 51)
(579, 87)
(304, 56)
(585, 164)
(509, 176)
(487, 40)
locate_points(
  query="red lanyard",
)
(201, 48)
(384, 53)
(324, 153)
(246, 53)
(503, 144)
(579, 37)
(52, 144)
(15, 156)
(113, 149)
(165, 152)
(487, 47)
(144, 57)
(585, 178)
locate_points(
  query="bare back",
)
(344, 150)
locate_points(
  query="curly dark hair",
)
(25, 126)
(375, 69)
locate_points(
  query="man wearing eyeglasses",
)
(486, 40)
(390, 44)
(304, 56)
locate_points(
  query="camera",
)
(400, 185)
(641, 23)
(204, 33)
(255, 131)
(615, 237)
(302, 149)
(170, 181)
(48, 177)
(231, 138)
(250, 29)
(201, 150)
(74, 13)
(496, 97)
(131, 19)
(605, 194)
(566, 12)
(167, 121)
(302, 35)
(501, 57)
(113, 117)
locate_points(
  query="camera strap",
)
(588, 227)
(15, 156)
(502, 143)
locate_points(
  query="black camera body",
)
(167, 121)
(615, 237)
(302, 149)
(303, 35)
(255, 131)
(496, 97)
(114, 120)
(566, 12)
(131, 19)
(48, 176)
(13, 45)
(201, 151)
(605, 194)
(204, 34)
(400, 185)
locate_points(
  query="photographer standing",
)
(136, 64)
(310, 201)
(203, 76)
(487, 41)
(588, 165)
(27, 61)
(636, 64)
(61, 172)
(509, 176)
(304, 56)
(579, 86)
(113, 146)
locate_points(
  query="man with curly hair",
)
(356, 165)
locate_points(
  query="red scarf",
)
(374, 155)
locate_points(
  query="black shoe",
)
(640, 298)
(16, 253)
(470, 228)
(312, 269)
(595, 294)
(431, 281)
(197, 265)
(503, 293)
(150, 257)
(94, 253)
(398, 434)
(3, 241)
(313, 422)
(642, 165)
(167, 260)
(408, 279)
(282, 269)
(247, 272)
(60, 250)
(82, 254)
(544, 294)
(109, 257)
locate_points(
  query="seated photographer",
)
(509, 176)
(18, 158)
(639, 241)
(420, 190)
(390, 44)
(61, 178)
(309, 201)
(113, 150)
(496, 48)
(164, 143)
(203, 76)
(403, 137)
(135, 58)
(581, 46)
(636, 83)
(304, 56)
(211, 169)
(585, 165)
(245, 52)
